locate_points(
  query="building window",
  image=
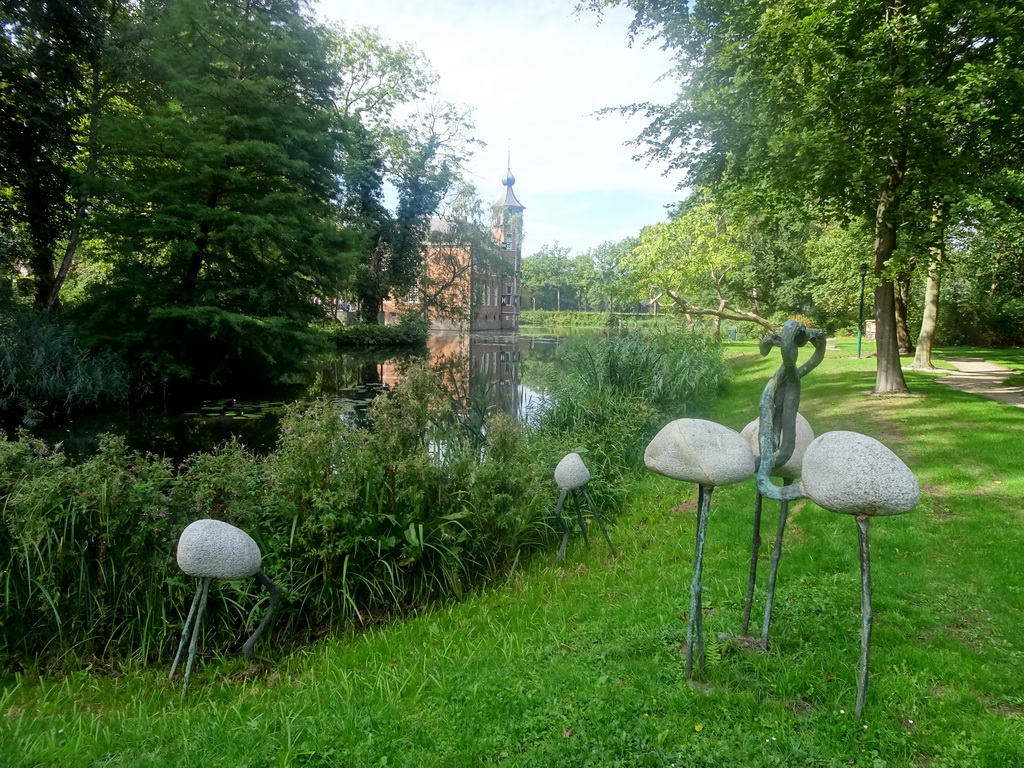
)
(507, 245)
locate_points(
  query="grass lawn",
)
(578, 663)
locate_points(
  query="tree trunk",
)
(81, 209)
(930, 316)
(901, 293)
(888, 373)
(558, 299)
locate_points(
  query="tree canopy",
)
(854, 112)
(206, 175)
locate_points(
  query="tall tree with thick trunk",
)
(930, 315)
(222, 222)
(49, 53)
(847, 106)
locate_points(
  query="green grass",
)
(578, 664)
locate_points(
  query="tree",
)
(852, 107)
(691, 259)
(548, 269)
(51, 59)
(420, 156)
(222, 224)
(583, 278)
(609, 262)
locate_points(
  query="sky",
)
(533, 75)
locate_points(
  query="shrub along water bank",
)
(357, 524)
(43, 369)
(412, 331)
(552, 319)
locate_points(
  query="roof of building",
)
(509, 200)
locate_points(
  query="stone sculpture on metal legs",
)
(788, 436)
(843, 472)
(572, 477)
(211, 549)
(853, 474)
(710, 455)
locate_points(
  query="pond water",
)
(482, 370)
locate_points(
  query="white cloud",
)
(534, 74)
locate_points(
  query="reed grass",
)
(357, 524)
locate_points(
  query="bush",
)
(43, 369)
(608, 399)
(413, 330)
(355, 525)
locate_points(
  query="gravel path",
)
(981, 378)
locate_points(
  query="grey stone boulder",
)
(699, 451)
(571, 472)
(792, 468)
(854, 474)
(210, 548)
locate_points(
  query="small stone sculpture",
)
(853, 474)
(211, 549)
(710, 455)
(572, 476)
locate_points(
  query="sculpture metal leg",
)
(774, 570)
(695, 627)
(599, 521)
(205, 589)
(866, 615)
(773, 573)
(184, 630)
(565, 525)
(578, 506)
(275, 598)
(755, 548)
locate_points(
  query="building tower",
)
(508, 232)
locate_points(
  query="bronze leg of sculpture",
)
(774, 570)
(597, 515)
(275, 598)
(195, 616)
(755, 548)
(695, 627)
(578, 506)
(565, 525)
(866, 615)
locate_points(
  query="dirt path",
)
(981, 378)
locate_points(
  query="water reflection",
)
(481, 372)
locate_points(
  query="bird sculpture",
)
(789, 472)
(710, 455)
(842, 472)
(572, 477)
(853, 474)
(211, 549)
(779, 437)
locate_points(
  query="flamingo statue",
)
(572, 477)
(710, 455)
(789, 472)
(210, 549)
